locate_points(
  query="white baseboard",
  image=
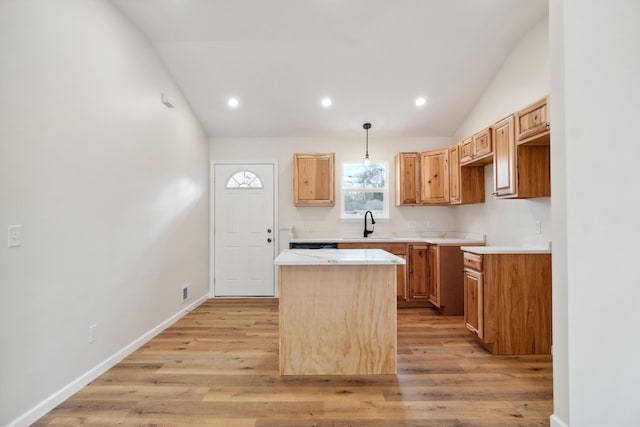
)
(67, 391)
(556, 422)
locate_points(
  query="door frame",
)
(276, 237)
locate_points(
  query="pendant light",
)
(367, 160)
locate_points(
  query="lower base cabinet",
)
(446, 279)
(419, 284)
(507, 302)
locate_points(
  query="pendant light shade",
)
(367, 160)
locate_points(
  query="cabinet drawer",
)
(532, 121)
(473, 261)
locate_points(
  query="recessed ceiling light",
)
(233, 102)
(326, 102)
(420, 101)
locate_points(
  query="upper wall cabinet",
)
(314, 179)
(408, 179)
(466, 184)
(435, 176)
(519, 170)
(477, 150)
(532, 124)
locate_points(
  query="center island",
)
(338, 311)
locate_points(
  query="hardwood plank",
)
(218, 366)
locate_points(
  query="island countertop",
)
(337, 257)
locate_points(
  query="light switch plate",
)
(15, 236)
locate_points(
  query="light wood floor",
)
(218, 366)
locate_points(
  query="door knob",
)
(268, 240)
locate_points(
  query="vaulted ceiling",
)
(373, 58)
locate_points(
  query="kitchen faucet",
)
(366, 230)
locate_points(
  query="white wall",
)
(560, 417)
(110, 187)
(597, 88)
(326, 221)
(522, 79)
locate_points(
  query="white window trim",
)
(384, 217)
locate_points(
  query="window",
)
(244, 179)
(364, 188)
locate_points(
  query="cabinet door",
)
(504, 167)
(482, 143)
(466, 150)
(401, 279)
(433, 262)
(473, 302)
(532, 123)
(407, 179)
(418, 272)
(435, 176)
(454, 175)
(313, 179)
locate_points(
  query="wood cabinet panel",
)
(401, 279)
(348, 297)
(482, 144)
(533, 163)
(466, 150)
(473, 261)
(435, 176)
(520, 171)
(532, 124)
(504, 169)
(513, 314)
(477, 150)
(418, 272)
(407, 179)
(473, 304)
(314, 179)
(399, 249)
(454, 175)
(446, 291)
(433, 263)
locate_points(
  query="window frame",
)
(386, 193)
(240, 186)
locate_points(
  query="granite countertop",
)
(491, 250)
(337, 257)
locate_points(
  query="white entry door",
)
(244, 232)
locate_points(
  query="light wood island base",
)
(338, 319)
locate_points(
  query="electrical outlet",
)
(538, 227)
(186, 292)
(411, 224)
(92, 333)
(15, 236)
